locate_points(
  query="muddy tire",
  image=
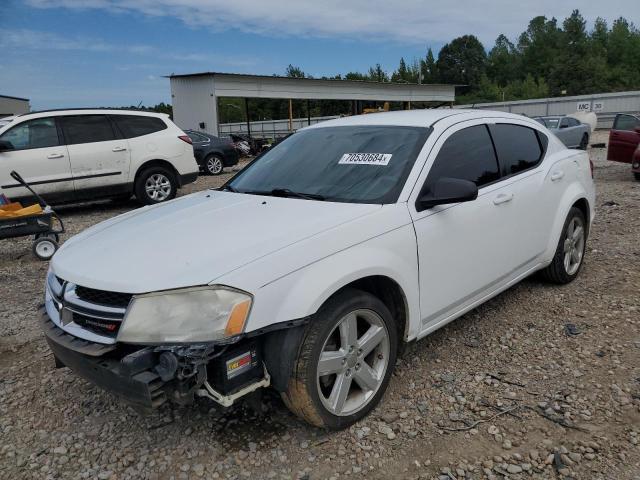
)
(344, 362)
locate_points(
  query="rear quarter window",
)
(518, 147)
(133, 126)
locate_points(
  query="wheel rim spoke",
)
(330, 362)
(349, 331)
(366, 377)
(577, 234)
(371, 339)
(340, 392)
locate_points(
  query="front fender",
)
(301, 293)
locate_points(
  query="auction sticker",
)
(365, 159)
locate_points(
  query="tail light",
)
(186, 138)
(591, 167)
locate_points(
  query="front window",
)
(358, 164)
(37, 133)
(549, 122)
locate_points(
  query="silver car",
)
(569, 130)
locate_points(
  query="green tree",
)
(463, 61)
(503, 61)
(430, 68)
(294, 72)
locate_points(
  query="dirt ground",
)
(540, 382)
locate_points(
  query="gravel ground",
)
(540, 382)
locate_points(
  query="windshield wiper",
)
(229, 188)
(285, 192)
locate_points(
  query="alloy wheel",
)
(158, 187)
(353, 362)
(214, 165)
(573, 245)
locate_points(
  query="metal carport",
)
(195, 96)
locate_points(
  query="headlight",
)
(199, 314)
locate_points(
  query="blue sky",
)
(62, 53)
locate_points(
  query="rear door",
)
(624, 137)
(99, 156)
(533, 196)
(39, 156)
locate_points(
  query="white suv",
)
(342, 242)
(77, 155)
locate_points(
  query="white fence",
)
(604, 105)
(269, 128)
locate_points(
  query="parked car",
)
(569, 130)
(624, 142)
(6, 120)
(76, 155)
(342, 242)
(212, 153)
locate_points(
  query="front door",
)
(99, 159)
(623, 138)
(461, 246)
(37, 154)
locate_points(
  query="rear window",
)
(135, 125)
(87, 129)
(518, 147)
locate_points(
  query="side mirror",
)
(4, 146)
(564, 126)
(447, 190)
(636, 129)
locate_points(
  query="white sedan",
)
(309, 269)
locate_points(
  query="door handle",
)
(55, 155)
(119, 149)
(503, 198)
(555, 176)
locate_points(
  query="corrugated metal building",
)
(604, 105)
(13, 106)
(195, 96)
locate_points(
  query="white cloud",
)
(406, 22)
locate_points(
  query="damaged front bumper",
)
(147, 377)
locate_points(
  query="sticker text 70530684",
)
(365, 159)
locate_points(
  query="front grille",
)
(102, 297)
(99, 326)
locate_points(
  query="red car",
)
(624, 141)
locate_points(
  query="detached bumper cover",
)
(106, 370)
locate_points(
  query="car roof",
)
(416, 118)
(90, 111)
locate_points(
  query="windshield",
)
(360, 164)
(549, 122)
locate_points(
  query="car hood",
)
(193, 240)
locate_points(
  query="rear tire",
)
(353, 338)
(569, 256)
(213, 165)
(156, 185)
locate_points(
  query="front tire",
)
(44, 247)
(345, 361)
(567, 261)
(584, 142)
(156, 185)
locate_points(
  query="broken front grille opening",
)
(102, 297)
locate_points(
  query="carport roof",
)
(14, 98)
(266, 86)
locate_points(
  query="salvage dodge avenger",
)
(310, 268)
